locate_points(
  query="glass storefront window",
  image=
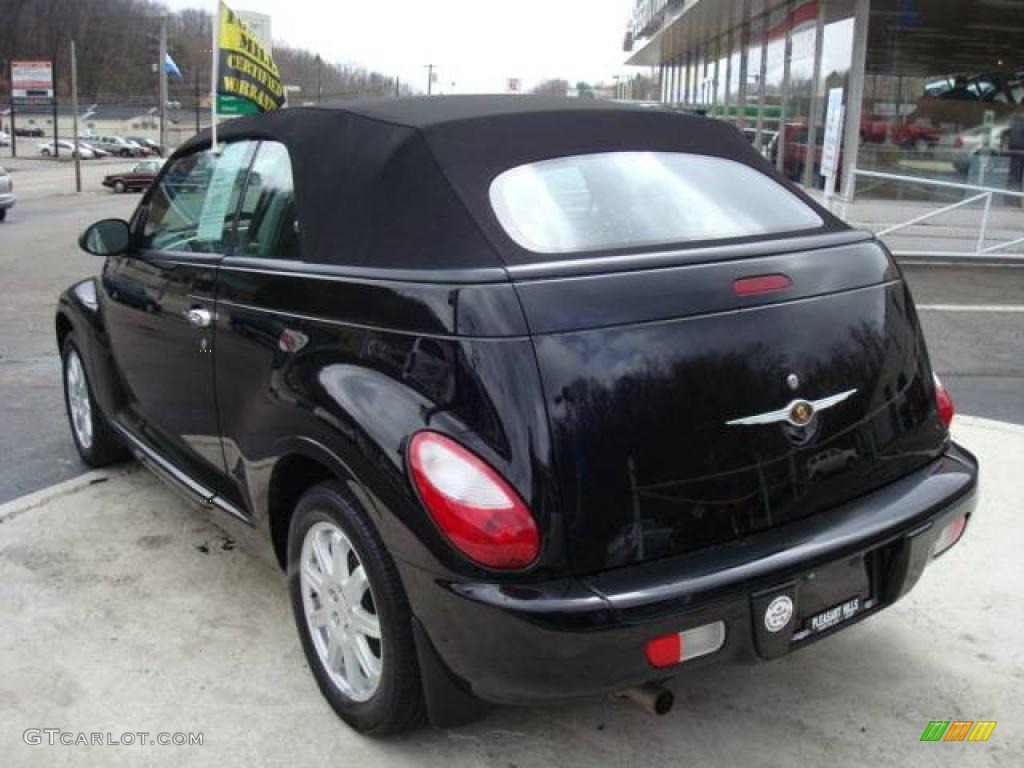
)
(702, 79)
(755, 57)
(735, 65)
(775, 57)
(746, 72)
(716, 75)
(802, 23)
(836, 59)
(684, 90)
(943, 83)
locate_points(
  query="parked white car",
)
(115, 145)
(47, 149)
(5, 139)
(966, 144)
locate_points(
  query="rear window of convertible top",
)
(618, 200)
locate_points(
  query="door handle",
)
(198, 317)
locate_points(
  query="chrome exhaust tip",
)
(653, 698)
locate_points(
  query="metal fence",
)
(975, 194)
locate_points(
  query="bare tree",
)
(117, 58)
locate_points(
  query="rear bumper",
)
(7, 201)
(571, 638)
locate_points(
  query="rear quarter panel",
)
(351, 369)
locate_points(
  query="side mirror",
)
(109, 237)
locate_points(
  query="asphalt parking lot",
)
(38, 259)
(126, 610)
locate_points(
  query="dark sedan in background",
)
(139, 178)
(534, 398)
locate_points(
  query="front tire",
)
(352, 614)
(120, 187)
(94, 437)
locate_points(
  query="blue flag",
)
(171, 68)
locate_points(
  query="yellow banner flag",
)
(245, 68)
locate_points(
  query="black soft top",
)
(405, 183)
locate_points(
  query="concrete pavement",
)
(126, 610)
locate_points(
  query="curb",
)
(958, 260)
(15, 507)
(1006, 427)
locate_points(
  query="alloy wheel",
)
(79, 404)
(337, 600)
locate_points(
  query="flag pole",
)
(214, 66)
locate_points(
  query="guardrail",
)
(981, 194)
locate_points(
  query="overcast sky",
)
(476, 44)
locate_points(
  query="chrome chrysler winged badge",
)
(798, 413)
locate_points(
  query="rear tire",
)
(3, 214)
(331, 539)
(94, 438)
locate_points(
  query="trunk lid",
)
(671, 397)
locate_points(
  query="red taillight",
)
(669, 650)
(958, 142)
(751, 286)
(665, 651)
(944, 402)
(478, 512)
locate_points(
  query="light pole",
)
(162, 69)
(319, 79)
(74, 119)
(430, 79)
(197, 106)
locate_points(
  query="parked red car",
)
(914, 135)
(138, 178)
(795, 153)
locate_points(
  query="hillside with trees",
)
(117, 43)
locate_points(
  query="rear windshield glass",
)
(623, 199)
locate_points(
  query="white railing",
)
(980, 194)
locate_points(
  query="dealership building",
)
(928, 87)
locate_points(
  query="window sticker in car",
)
(218, 192)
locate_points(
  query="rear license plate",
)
(834, 616)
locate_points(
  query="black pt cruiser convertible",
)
(534, 399)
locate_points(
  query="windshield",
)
(629, 199)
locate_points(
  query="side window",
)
(267, 224)
(192, 208)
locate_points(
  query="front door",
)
(159, 307)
